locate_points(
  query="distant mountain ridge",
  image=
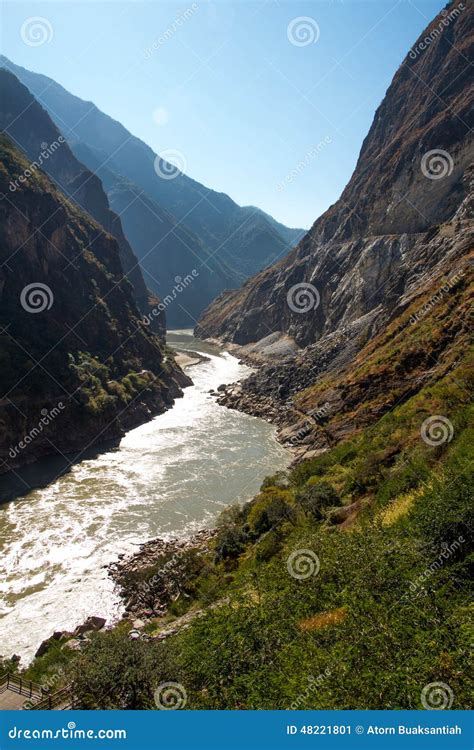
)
(186, 224)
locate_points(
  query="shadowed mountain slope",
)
(72, 342)
(31, 128)
(186, 223)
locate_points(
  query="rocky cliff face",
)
(32, 129)
(374, 302)
(371, 247)
(77, 364)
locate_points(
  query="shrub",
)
(230, 543)
(269, 510)
(115, 672)
(315, 497)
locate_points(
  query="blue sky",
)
(272, 123)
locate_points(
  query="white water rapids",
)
(168, 477)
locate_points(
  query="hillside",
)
(31, 128)
(345, 584)
(375, 245)
(78, 365)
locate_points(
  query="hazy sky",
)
(269, 111)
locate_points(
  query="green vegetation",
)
(386, 613)
(346, 582)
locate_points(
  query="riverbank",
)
(168, 479)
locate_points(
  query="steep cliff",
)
(31, 128)
(371, 247)
(78, 366)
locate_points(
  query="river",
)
(169, 477)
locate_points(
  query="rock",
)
(390, 241)
(74, 644)
(92, 623)
(43, 648)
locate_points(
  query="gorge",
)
(318, 416)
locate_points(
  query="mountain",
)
(291, 235)
(167, 250)
(188, 224)
(378, 242)
(78, 365)
(31, 128)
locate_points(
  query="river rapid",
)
(169, 477)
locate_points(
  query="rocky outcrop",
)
(158, 573)
(375, 244)
(78, 365)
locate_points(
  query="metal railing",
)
(40, 699)
(19, 685)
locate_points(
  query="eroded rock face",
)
(369, 249)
